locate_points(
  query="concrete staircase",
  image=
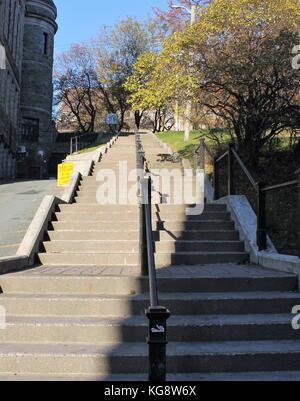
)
(86, 233)
(188, 240)
(79, 315)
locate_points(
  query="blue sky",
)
(80, 20)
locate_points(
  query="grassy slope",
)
(103, 140)
(87, 150)
(185, 149)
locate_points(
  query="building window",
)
(46, 41)
(30, 129)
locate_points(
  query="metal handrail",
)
(157, 315)
(244, 168)
(208, 151)
(146, 185)
(261, 192)
(220, 158)
(77, 138)
(145, 191)
(280, 186)
(203, 144)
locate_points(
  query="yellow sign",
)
(65, 172)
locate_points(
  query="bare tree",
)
(75, 84)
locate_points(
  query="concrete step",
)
(92, 247)
(97, 216)
(101, 212)
(134, 225)
(118, 154)
(92, 330)
(126, 306)
(91, 191)
(115, 163)
(119, 150)
(93, 200)
(78, 208)
(206, 215)
(156, 164)
(90, 235)
(282, 376)
(207, 225)
(121, 226)
(79, 280)
(103, 215)
(197, 235)
(88, 259)
(199, 246)
(121, 246)
(61, 359)
(89, 179)
(196, 258)
(114, 167)
(180, 209)
(90, 253)
(96, 235)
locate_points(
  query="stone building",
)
(12, 13)
(27, 29)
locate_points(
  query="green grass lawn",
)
(87, 150)
(101, 140)
(185, 149)
(176, 141)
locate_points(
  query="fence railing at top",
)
(156, 314)
(259, 188)
(80, 142)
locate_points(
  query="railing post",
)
(195, 161)
(231, 178)
(202, 154)
(298, 232)
(150, 195)
(143, 253)
(261, 219)
(143, 243)
(157, 340)
(216, 179)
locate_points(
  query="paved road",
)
(19, 202)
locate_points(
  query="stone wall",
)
(27, 29)
(11, 40)
(37, 90)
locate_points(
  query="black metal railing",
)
(259, 188)
(82, 141)
(156, 314)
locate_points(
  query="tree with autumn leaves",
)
(235, 63)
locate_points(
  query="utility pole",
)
(193, 14)
(189, 104)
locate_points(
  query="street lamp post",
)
(189, 105)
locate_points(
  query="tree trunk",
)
(155, 122)
(250, 151)
(122, 119)
(138, 118)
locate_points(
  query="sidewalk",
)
(19, 202)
